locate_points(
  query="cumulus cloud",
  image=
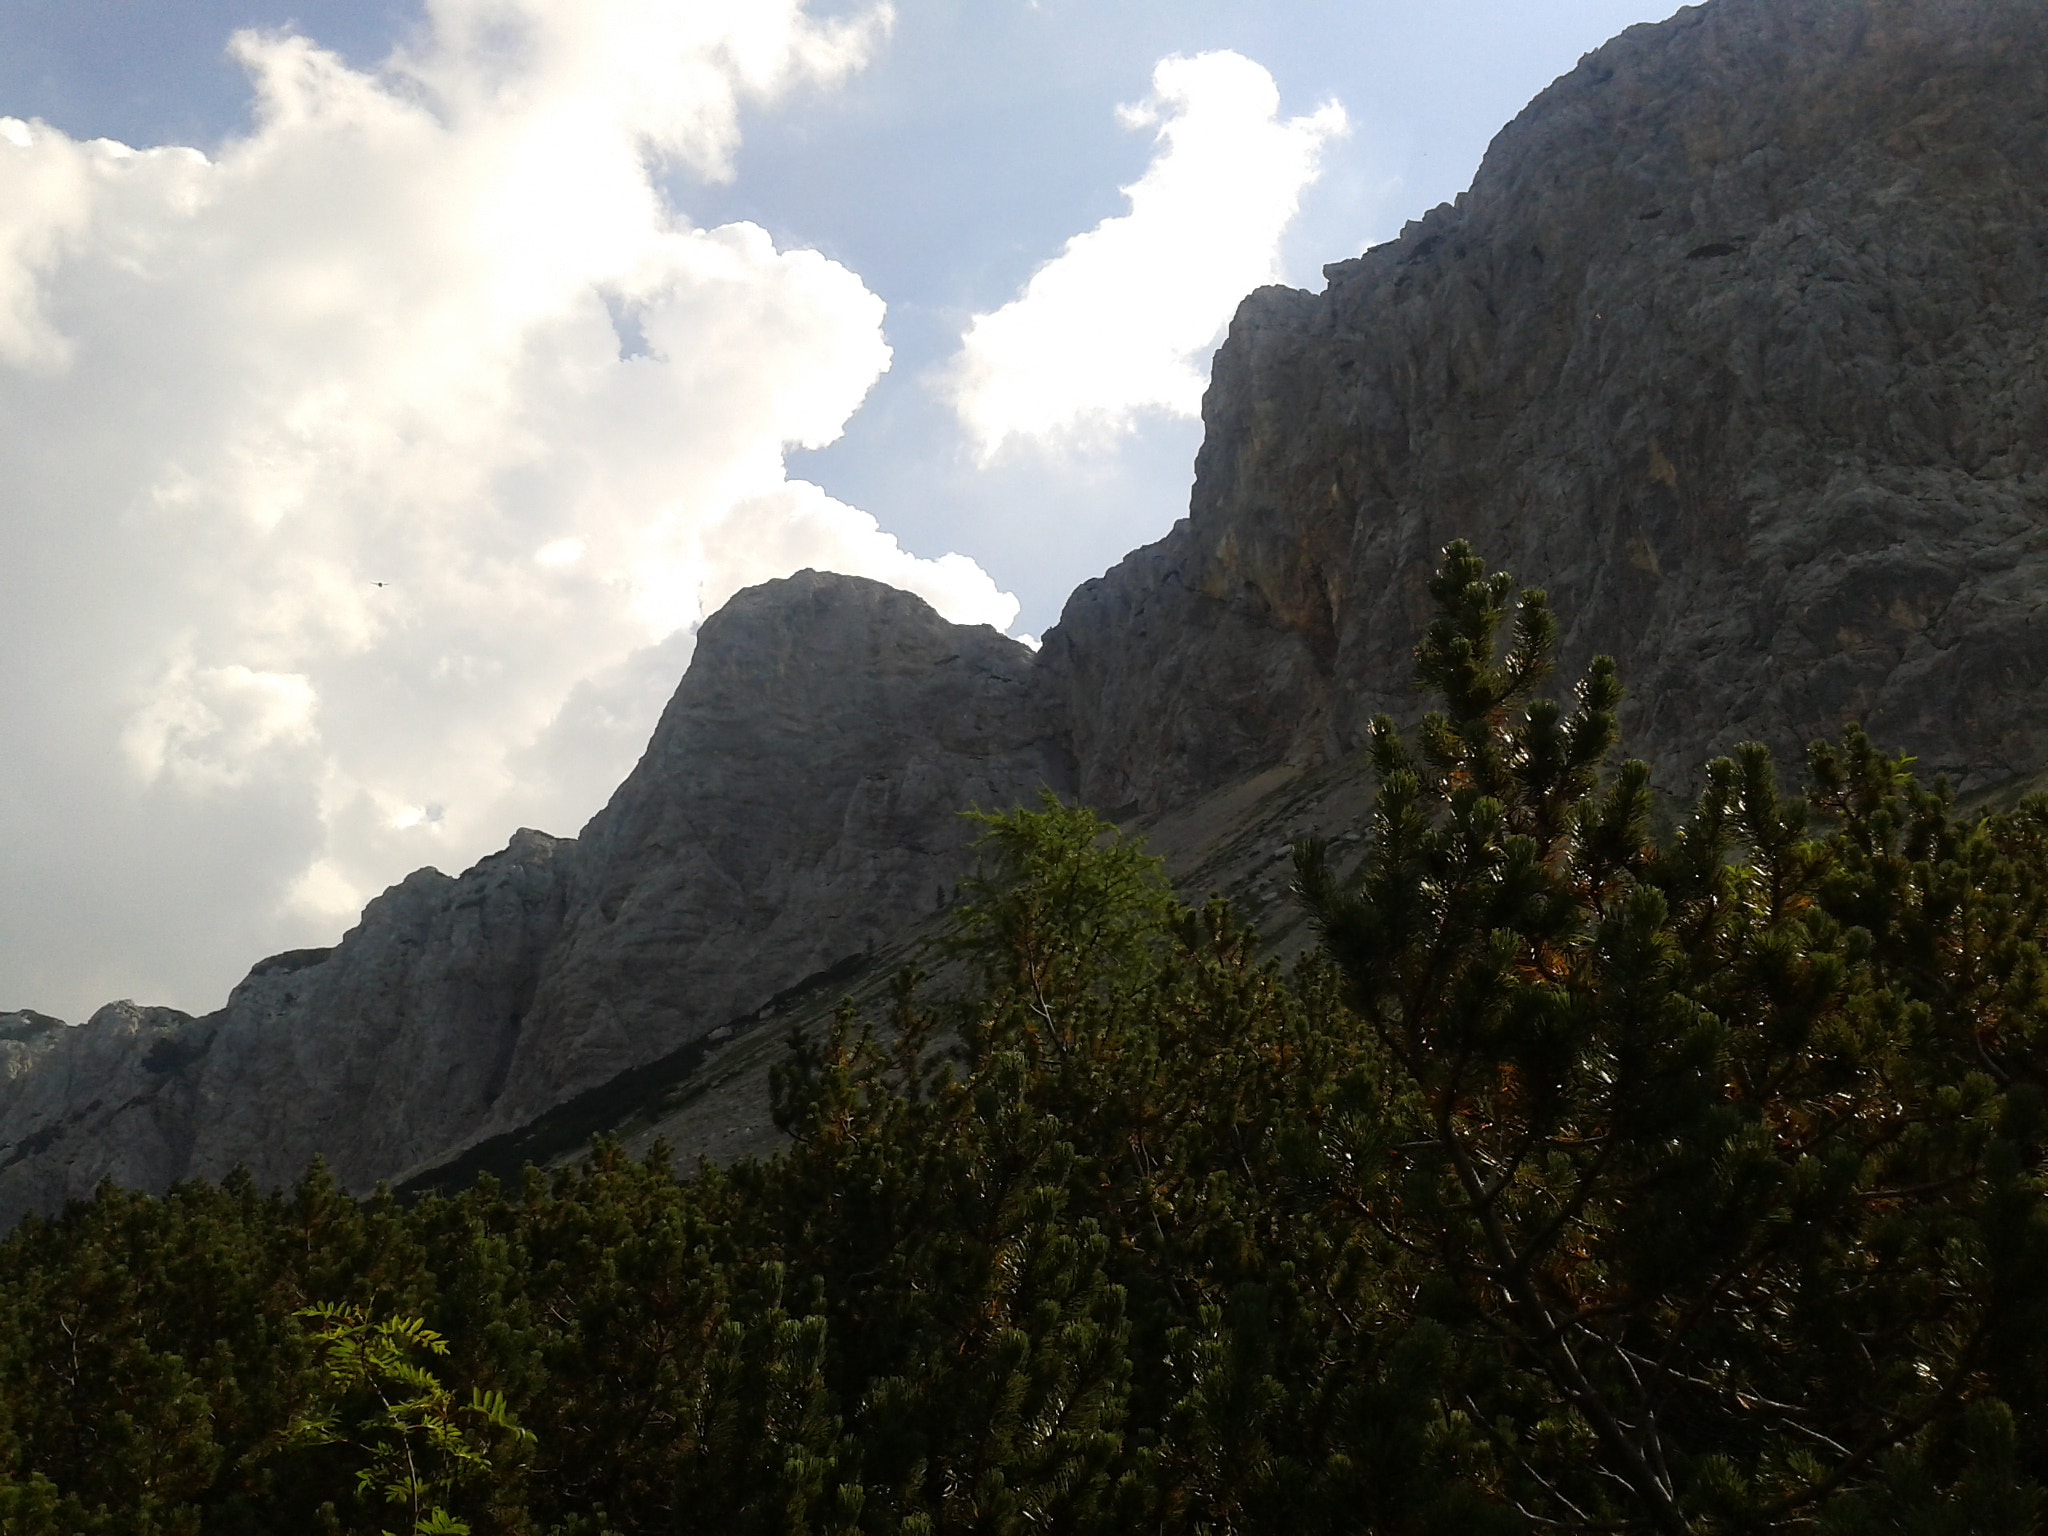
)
(362, 483)
(1122, 319)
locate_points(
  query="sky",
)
(389, 388)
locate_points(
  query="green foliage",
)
(1728, 1149)
(377, 1397)
(1592, 1179)
(1062, 906)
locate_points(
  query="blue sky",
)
(562, 322)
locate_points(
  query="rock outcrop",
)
(1735, 345)
(798, 803)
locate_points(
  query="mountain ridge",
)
(1733, 346)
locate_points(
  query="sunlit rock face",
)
(1736, 346)
(799, 801)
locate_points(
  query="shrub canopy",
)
(1591, 1178)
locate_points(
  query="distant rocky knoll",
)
(1735, 345)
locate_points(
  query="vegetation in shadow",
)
(1591, 1178)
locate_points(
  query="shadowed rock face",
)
(799, 802)
(1735, 345)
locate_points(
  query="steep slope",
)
(798, 804)
(1734, 345)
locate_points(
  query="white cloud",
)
(1123, 318)
(212, 727)
(360, 485)
(559, 552)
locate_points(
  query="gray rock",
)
(375, 1053)
(114, 1086)
(799, 801)
(1735, 345)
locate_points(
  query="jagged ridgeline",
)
(1734, 346)
(1587, 1179)
(1613, 1146)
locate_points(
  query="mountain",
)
(1734, 345)
(796, 806)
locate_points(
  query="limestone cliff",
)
(1735, 345)
(798, 803)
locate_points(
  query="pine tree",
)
(1698, 1139)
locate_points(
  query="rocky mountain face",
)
(1734, 345)
(797, 805)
